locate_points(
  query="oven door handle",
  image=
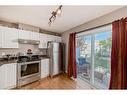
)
(25, 63)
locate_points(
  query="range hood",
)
(26, 41)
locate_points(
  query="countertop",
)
(2, 62)
(44, 57)
(7, 61)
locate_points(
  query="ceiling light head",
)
(54, 14)
(59, 11)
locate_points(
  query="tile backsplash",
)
(23, 48)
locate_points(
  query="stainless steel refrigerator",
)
(56, 56)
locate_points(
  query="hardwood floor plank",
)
(59, 82)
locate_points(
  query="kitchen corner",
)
(23, 56)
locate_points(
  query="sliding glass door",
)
(83, 56)
(102, 56)
(93, 57)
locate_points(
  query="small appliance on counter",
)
(29, 51)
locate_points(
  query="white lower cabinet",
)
(8, 76)
(44, 68)
(1, 77)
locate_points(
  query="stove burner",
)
(22, 59)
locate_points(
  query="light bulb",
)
(59, 11)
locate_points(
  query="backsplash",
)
(23, 48)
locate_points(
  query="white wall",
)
(118, 14)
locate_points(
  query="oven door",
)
(28, 69)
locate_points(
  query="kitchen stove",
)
(28, 69)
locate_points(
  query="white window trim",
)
(94, 31)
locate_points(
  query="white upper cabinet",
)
(49, 38)
(28, 35)
(59, 39)
(23, 34)
(45, 38)
(9, 37)
(34, 35)
(54, 38)
(0, 39)
(43, 41)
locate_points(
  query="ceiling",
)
(71, 16)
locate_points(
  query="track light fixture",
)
(54, 14)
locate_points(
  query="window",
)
(93, 56)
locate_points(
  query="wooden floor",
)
(58, 82)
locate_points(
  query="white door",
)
(10, 37)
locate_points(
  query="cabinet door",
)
(0, 38)
(34, 36)
(23, 34)
(50, 38)
(2, 77)
(43, 74)
(10, 39)
(59, 39)
(47, 67)
(54, 38)
(10, 75)
(43, 41)
(44, 68)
